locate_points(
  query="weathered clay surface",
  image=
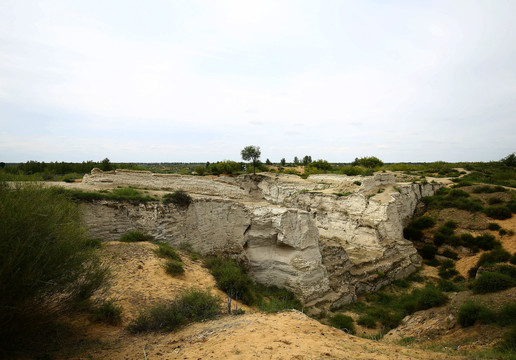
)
(327, 238)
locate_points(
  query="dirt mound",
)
(140, 281)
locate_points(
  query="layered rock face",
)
(326, 238)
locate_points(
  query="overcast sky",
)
(159, 81)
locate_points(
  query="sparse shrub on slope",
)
(498, 212)
(192, 305)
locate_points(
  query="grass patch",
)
(107, 312)
(191, 306)
(164, 250)
(119, 194)
(136, 236)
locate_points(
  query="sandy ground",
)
(140, 281)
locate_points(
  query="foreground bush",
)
(192, 305)
(45, 255)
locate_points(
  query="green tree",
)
(251, 153)
(510, 160)
(106, 165)
(296, 160)
(268, 162)
(369, 162)
(283, 162)
(307, 159)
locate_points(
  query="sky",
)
(195, 81)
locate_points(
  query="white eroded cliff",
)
(327, 238)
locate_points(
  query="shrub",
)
(178, 198)
(428, 252)
(450, 254)
(424, 222)
(512, 260)
(232, 280)
(192, 305)
(352, 170)
(489, 189)
(413, 234)
(495, 201)
(450, 224)
(368, 321)
(164, 250)
(494, 256)
(484, 242)
(509, 340)
(489, 282)
(506, 270)
(174, 267)
(511, 205)
(447, 286)
(471, 312)
(343, 322)
(45, 255)
(494, 226)
(108, 312)
(274, 299)
(388, 318)
(498, 212)
(472, 273)
(136, 236)
(422, 299)
(507, 315)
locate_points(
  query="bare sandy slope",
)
(140, 281)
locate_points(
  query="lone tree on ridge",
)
(251, 153)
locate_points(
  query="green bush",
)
(424, 222)
(45, 255)
(422, 299)
(108, 312)
(447, 286)
(489, 282)
(489, 189)
(174, 267)
(192, 305)
(497, 255)
(273, 299)
(388, 318)
(450, 254)
(368, 321)
(352, 170)
(494, 226)
(507, 315)
(506, 270)
(512, 260)
(509, 340)
(232, 280)
(343, 322)
(368, 162)
(471, 312)
(484, 242)
(498, 212)
(413, 234)
(164, 250)
(178, 198)
(428, 252)
(450, 224)
(136, 236)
